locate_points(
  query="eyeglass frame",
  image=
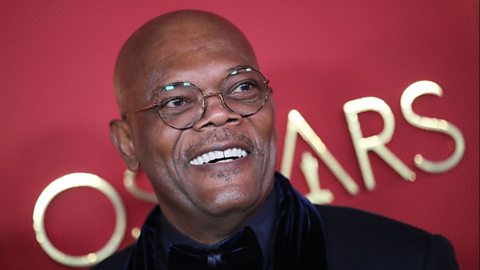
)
(204, 98)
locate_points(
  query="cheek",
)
(266, 123)
(161, 161)
(157, 146)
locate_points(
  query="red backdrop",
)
(56, 62)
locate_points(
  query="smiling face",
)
(221, 167)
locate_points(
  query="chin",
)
(230, 198)
(237, 186)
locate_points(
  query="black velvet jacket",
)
(319, 237)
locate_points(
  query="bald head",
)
(167, 42)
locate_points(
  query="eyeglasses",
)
(181, 104)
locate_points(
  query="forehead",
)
(212, 59)
(196, 40)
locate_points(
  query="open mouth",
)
(218, 156)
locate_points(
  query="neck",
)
(209, 230)
(213, 230)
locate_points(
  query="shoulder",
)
(119, 260)
(355, 237)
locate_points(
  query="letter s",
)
(413, 91)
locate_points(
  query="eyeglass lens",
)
(181, 104)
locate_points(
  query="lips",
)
(217, 156)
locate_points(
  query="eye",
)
(174, 102)
(243, 87)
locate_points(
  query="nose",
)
(216, 113)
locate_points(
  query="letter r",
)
(374, 143)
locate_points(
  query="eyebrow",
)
(237, 67)
(155, 76)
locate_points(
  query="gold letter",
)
(309, 166)
(71, 181)
(411, 93)
(297, 125)
(374, 143)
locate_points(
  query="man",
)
(198, 119)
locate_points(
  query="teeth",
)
(228, 155)
(218, 154)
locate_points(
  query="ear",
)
(121, 136)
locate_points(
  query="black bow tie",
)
(240, 252)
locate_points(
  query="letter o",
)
(71, 181)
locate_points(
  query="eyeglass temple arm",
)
(151, 106)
